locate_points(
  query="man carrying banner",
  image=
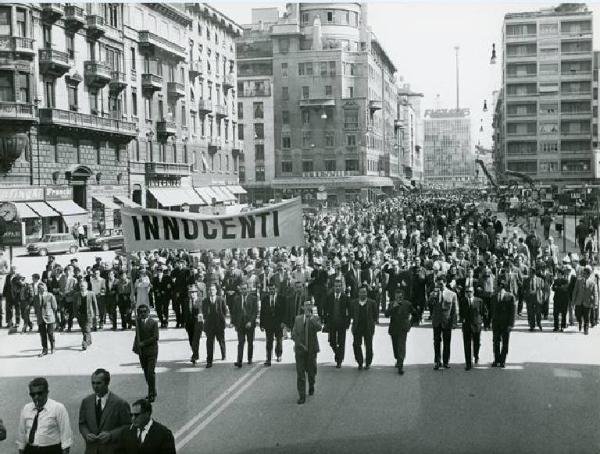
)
(306, 347)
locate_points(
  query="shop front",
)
(174, 199)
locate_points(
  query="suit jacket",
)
(239, 316)
(294, 305)
(471, 314)
(345, 311)
(114, 420)
(585, 293)
(353, 281)
(85, 307)
(46, 308)
(400, 317)
(272, 315)
(443, 310)
(214, 315)
(299, 335)
(503, 311)
(162, 288)
(159, 440)
(371, 315)
(145, 342)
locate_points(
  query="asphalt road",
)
(545, 401)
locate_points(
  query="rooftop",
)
(564, 9)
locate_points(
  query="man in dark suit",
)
(503, 320)
(306, 347)
(337, 318)
(161, 286)
(442, 302)
(214, 312)
(193, 321)
(470, 308)
(272, 310)
(364, 317)
(103, 416)
(353, 278)
(146, 436)
(244, 310)
(400, 312)
(145, 345)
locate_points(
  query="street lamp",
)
(485, 109)
(493, 59)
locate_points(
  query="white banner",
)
(277, 225)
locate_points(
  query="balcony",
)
(17, 112)
(237, 148)
(97, 74)
(167, 168)
(195, 69)
(151, 43)
(220, 110)
(53, 63)
(18, 45)
(151, 82)
(86, 125)
(257, 92)
(522, 37)
(51, 12)
(331, 174)
(175, 90)
(205, 106)
(316, 102)
(213, 145)
(399, 124)
(375, 105)
(74, 18)
(118, 81)
(228, 81)
(166, 128)
(95, 26)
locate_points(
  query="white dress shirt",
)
(103, 400)
(53, 426)
(144, 431)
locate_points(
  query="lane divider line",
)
(181, 443)
(214, 403)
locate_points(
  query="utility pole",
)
(456, 48)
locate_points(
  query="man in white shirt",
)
(44, 423)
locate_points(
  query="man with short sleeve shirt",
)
(44, 423)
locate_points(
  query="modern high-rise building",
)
(408, 126)
(106, 104)
(543, 122)
(334, 103)
(449, 157)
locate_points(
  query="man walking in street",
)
(244, 310)
(103, 416)
(503, 320)
(214, 312)
(337, 320)
(443, 316)
(85, 307)
(400, 313)
(193, 321)
(306, 347)
(585, 296)
(364, 317)
(272, 315)
(472, 322)
(45, 313)
(145, 345)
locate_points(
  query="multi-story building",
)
(449, 158)
(334, 104)
(546, 106)
(410, 156)
(110, 104)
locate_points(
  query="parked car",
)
(110, 238)
(53, 243)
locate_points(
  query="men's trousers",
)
(276, 334)
(306, 365)
(500, 340)
(46, 334)
(124, 305)
(399, 347)
(162, 309)
(440, 335)
(194, 332)
(560, 313)
(210, 343)
(54, 449)
(86, 331)
(534, 314)
(148, 363)
(471, 341)
(337, 340)
(245, 334)
(357, 346)
(583, 315)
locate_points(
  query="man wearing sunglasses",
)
(44, 426)
(146, 435)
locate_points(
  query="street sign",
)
(11, 233)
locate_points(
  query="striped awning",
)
(236, 189)
(66, 207)
(107, 202)
(43, 209)
(126, 201)
(25, 212)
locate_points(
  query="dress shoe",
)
(311, 390)
(208, 365)
(476, 360)
(555, 330)
(495, 364)
(436, 367)
(151, 398)
(193, 360)
(223, 358)
(301, 400)
(279, 359)
(540, 327)
(468, 367)
(400, 371)
(338, 365)
(249, 361)
(367, 367)
(446, 366)
(502, 365)
(267, 364)
(44, 353)
(585, 332)
(52, 351)
(238, 365)
(360, 367)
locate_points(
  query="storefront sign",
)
(59, 193)
(11, 233)
(277, 225)
(26, 194)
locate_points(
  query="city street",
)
(546, 400)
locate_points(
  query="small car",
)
(53, 243)
(110, 238)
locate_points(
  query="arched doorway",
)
(136, 194)
(78, 177)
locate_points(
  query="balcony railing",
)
(53, 62)
(205, 106)
(220, 110)
(228, 81)
(17, 44)
(151, 40)
(351, 125)
(95, 26)
(256, 92)
(97, 74)
(167, 168)
(195, 69)
(118, 81)
(17, 111)
(331, 173)
(175, 89)
(166, 128)
(152, 82)
(74, 17)
(76, 120)
(51, 12)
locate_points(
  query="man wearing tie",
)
(534, 287)
(443, 315)
(244, 311)
(337, 318)
(471, 320)
(193, 321)
(364, 317)
(44, 423)
(103, 416)
(306, 347)
(145, 345)
(272, 306)
(503, 320)
(45, 308)
(161, 286)
(214, 312)
(146, 436)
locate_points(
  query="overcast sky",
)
(420, 38)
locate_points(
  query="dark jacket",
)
(443, 310)
(214, 315)
(400, 317)
(471, 314)
(272, 315)
(298, 335)
(159, 440)
(371, 316)
(145, 342)
(345, 310)
(503, 312)
(240, 317)
(115, 419)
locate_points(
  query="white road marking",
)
(567, 373)
(185, 440)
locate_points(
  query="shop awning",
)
(25, 212)
(222, 194)
(228, 193)
(107, 202)
(67, 207)
(207, 194)
(43, 209)
(126, 201)
(173, 197)
(236, 189)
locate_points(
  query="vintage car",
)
(110, 239)
(53, 243)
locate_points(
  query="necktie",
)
(98, 410)
(306, 332)
(34, 426)
(140, 436)
(243, 304)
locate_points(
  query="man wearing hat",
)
(306, 347)
(400, 312)
(244, 310)
(503, 310)
(470, 310)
